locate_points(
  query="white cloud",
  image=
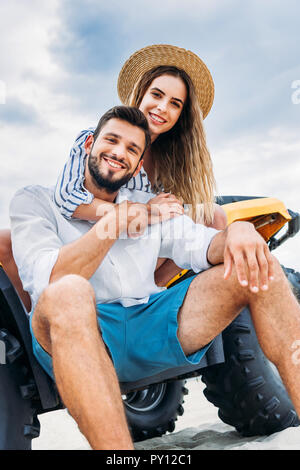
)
(240, 41)
(263, 165)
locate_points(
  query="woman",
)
(175, 91)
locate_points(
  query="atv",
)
(239, 379)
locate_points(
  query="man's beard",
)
(105, 183)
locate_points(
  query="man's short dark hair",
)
(129, 114)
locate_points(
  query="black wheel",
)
(294, 278)
(247, 388)
(153, 411)
(18, 415)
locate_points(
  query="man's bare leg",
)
(65, 324)
(212, 303)
(10, 267)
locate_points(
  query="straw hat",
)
(164, 54)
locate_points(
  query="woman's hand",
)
(163, 207)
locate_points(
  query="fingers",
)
(246, 250)
(164, 209)
(227, 264)
(241, 268)
(254, 267)
(170, 208)
(263, 268)
(166, 197)
(271, 267)
(165, 206)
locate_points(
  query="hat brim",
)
(149, 57)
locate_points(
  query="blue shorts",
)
(142, 339)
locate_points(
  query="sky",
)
(59, 66)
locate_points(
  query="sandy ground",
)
(198, 429)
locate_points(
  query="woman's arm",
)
(220, 218)
(162, 207)
(93, 211)
(70, 191)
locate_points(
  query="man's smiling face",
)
(115, 155)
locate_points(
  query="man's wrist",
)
(215, 250)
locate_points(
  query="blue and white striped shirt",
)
(70, 191)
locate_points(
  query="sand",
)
(198, 429)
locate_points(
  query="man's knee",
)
(279, 279)
(70, 286)
(63, 299)
(65, 307)
(277, 267)
(233, 284)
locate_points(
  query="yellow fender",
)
(268, 215)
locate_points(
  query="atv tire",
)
(153, 411)
(294, 279)
(247, 388)
(18, 407)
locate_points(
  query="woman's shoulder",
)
(84, 133)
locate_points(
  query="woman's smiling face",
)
(162, 103)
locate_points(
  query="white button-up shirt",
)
(126, 274)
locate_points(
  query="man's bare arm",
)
(83, 256)
(241, 247)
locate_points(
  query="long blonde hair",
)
(182, 162)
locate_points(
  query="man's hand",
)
(248, 252)
(245, 249)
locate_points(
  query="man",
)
(96, 309)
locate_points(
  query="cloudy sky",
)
(58, 73)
